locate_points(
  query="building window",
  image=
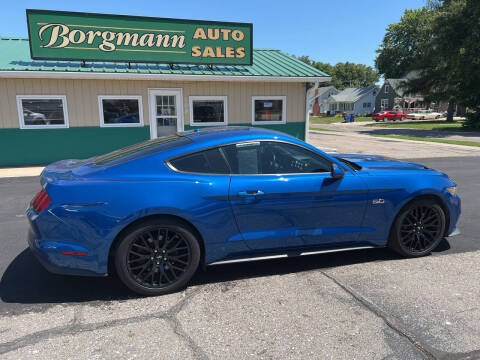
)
(42, 111)
(346, 106)
(120, 111)
(269, 110)
(367, 105)
(387, 88)
(208, 110)
(384, 103)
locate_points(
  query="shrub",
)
(473, 119)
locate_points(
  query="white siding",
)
(82, 96)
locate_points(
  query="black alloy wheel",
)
(418, 229)
(157, 257)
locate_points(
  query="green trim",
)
(296, 129)
(41, 146)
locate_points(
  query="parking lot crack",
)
(394, 323)
(71, 329)
(177, 327)
(76, 327)
(77, 314)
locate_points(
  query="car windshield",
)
(142, 149)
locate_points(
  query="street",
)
(359, 304)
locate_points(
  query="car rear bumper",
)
(49, 255)
(60, 257)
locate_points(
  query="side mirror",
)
(337, 172)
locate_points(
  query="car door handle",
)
(250, 193)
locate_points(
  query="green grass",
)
(323, 129)
(335, 119)
(424, 125)
(325, 120)
(435, 140)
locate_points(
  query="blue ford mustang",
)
(159, 209)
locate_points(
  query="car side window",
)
(203, 162)
(243, 157)
(271, 157)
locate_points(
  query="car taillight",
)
(40, 201)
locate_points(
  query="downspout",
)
(307, 115)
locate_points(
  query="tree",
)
(458, 30)
(446, 49)
(353, 75)
(305, 59)
(437, 65)
(346, 74)
(405, 43)
(450, 71)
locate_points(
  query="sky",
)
(325, 30)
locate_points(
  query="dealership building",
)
(65, 98)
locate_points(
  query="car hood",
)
(378, 163)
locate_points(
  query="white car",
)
(424, 114)
(34, 118)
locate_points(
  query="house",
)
(393, 96)
(358, 101)
(317, 99)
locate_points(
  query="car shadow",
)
(25, 281)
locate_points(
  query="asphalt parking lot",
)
(367, 304)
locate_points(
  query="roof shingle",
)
(15, 56)
(352, 94)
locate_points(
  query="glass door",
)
(166, 112)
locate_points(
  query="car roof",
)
(196, 140)
(229, 134)
(217, 136)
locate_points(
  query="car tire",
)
(156, 257)
(418, 228)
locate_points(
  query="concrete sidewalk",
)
(20, 171)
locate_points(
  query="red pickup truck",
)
(389, 115)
